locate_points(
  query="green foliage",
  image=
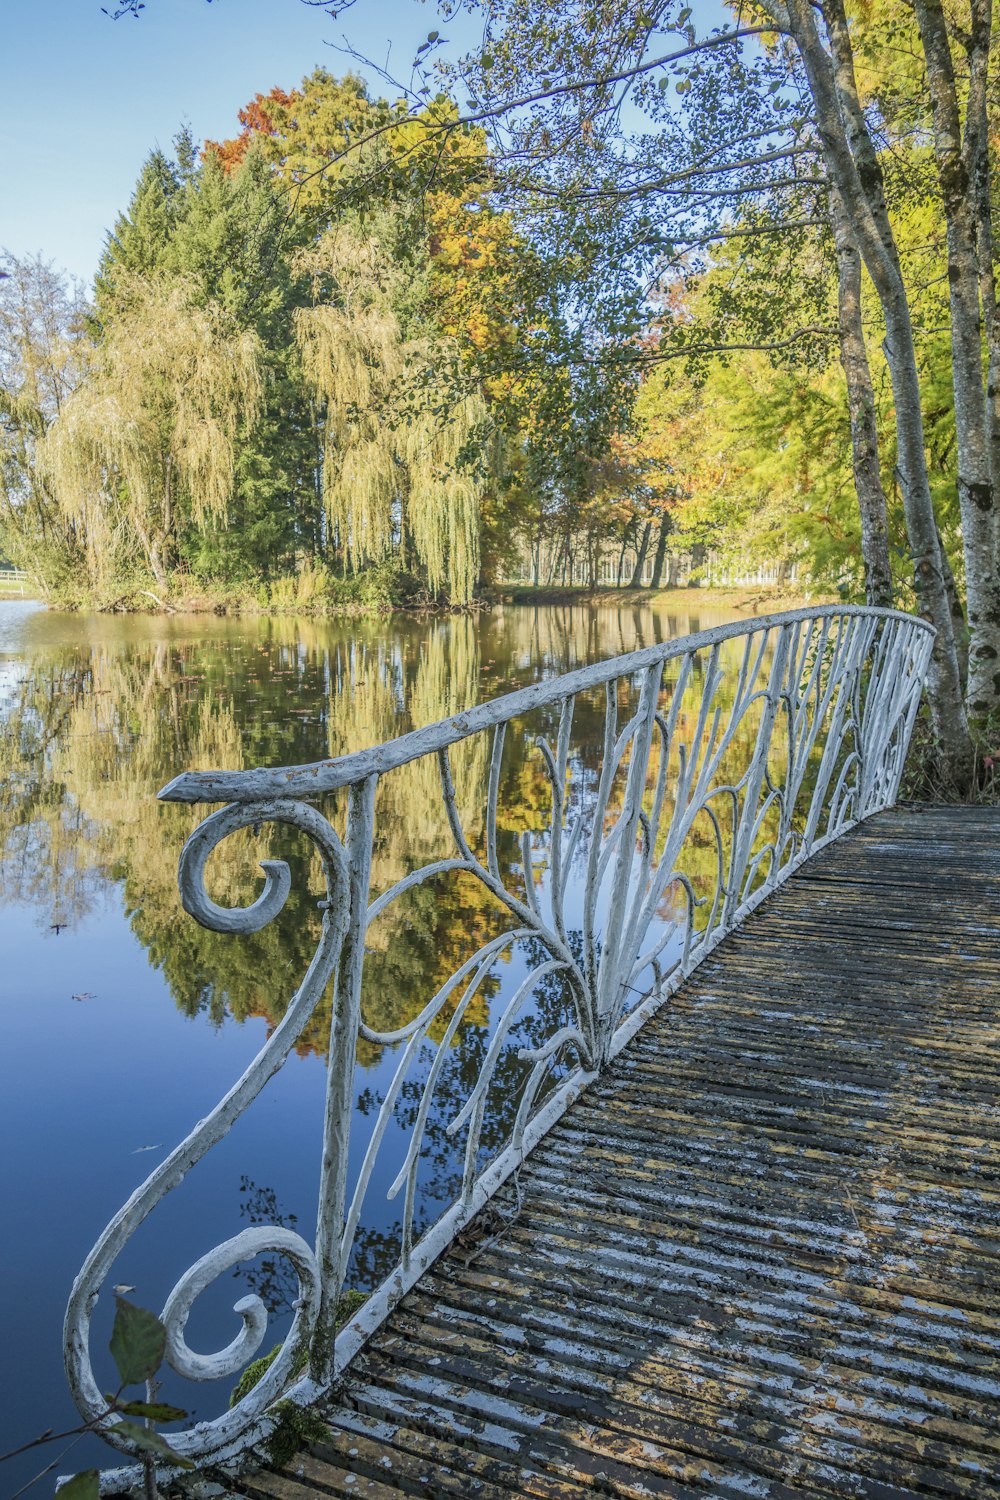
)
(295, 1427)
(82, 1486)
(153, 1411)
(461, 350)
(147, 1440)
(303, 591)
(416, 363)
(138, 1340)
(139, 240)
(348, 1304)
(43, 354)
(252, 1375)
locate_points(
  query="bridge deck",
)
(760, 1257)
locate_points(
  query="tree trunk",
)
(861, 403)
(621, 563)
(975, 489)
(661, 551)
(161, 552)
(976, 150)
(157, 564)
(957, 617)
(556, 559)
(859, 180)
(640, 561)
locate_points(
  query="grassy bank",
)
(381, 590)
(313, 591)
(750, 600)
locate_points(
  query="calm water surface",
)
(124, 1022)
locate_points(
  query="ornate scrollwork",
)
(210, 1436)
(817, 688)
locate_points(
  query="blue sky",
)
(85, 98)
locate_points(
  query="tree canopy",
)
(612, 280)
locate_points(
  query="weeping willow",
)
(391, 461)
(443, 497)
(147, 442)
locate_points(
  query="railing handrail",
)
(323, 776)
(828, 694)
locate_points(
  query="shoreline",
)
(741, 597)
(140, 601)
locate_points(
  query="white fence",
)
(15, 581)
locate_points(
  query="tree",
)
(43, 356)
(776, 127)
(393, 461)
(852, 163)
(148, 439)
(861, 405)
(230, 240)
(136, 245)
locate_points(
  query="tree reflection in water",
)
(93, 727)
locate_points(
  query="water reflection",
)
(97, 714)
(95, 726)
(96, 720)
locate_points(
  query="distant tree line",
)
(651, 285)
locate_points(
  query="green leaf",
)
(156, 1411)
(82, 1486)
(138, 1340)
(684, 16)
(149, 1441)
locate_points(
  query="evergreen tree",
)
(229, 226)
(141, 235)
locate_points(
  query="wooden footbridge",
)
(761, 1257)
(743, 1241)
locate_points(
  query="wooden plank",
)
(761, 1256)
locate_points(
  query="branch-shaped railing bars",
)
(708, 769)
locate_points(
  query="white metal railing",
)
(721, 762)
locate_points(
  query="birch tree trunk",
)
(861, 402)
(975, 147)
(853, 166)
(957, 618)
(975, 487)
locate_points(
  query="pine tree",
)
(139, 240)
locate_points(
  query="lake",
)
(124, 1022)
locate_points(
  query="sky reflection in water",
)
(124, 1022)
